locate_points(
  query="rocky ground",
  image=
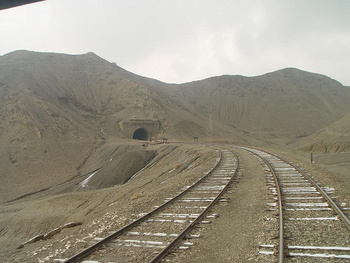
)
(232, 237)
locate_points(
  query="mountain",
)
(286, 103)
(90, 87)
(58, 112)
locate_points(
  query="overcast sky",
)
(178, 41)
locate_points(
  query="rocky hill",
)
(57, 111)
(88, 86)
(286, 103)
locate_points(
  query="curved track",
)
(312, 227)
(154, 235)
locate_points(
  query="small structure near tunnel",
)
(141, 129)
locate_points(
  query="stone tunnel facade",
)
(141, 129)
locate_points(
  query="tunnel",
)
(140, 134)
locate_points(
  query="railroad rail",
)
(312, 226)
(151, 237)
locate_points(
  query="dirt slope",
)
(173, 167)
(331, 139)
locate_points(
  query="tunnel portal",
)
(140, 134)
(141, 129)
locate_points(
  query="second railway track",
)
(311, 226)
(155, 234)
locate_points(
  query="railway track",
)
(311, 225)
(167, 228)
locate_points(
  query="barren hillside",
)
(286, 103)
(330, 139)
(57, 111)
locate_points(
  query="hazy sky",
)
(180, 40)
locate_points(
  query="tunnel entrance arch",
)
(141, 129)
(140, 134)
